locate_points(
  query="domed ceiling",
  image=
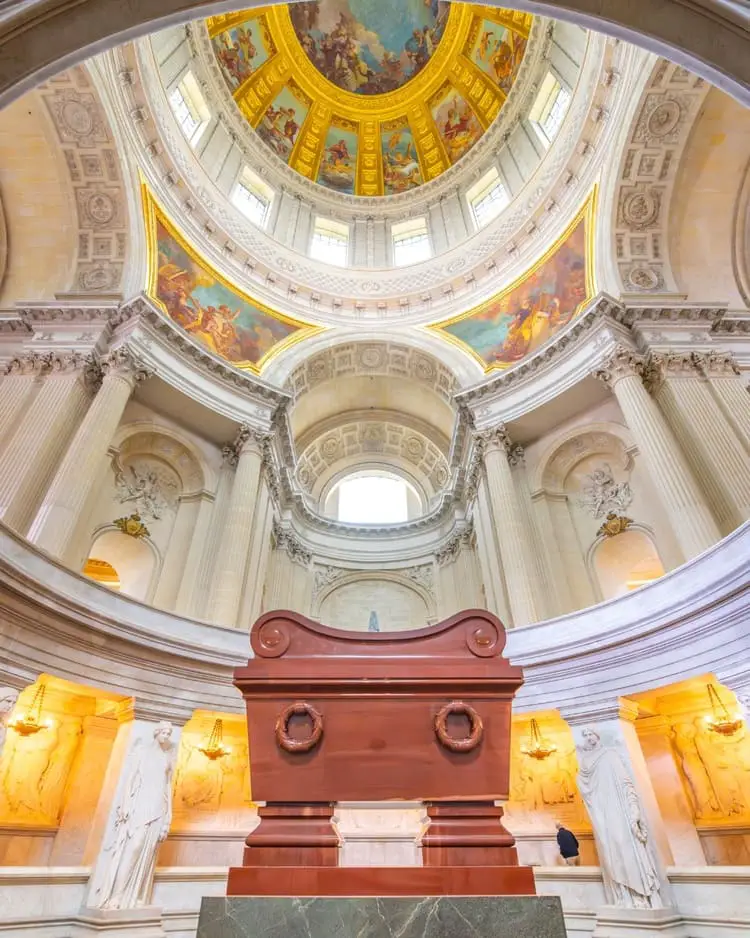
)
(370, 97)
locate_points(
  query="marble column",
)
(729, 390)
(714, 451)
(55, 522)
(17, 386)
(488, 552)
(289, 576)
(186, 603)
(234, 548)
(614, 783)
(511, 526)
(686, 507)
(260, 551)
(684, 842)
(178, 548)
(133, 815)
(37, 445)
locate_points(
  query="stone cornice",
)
(665, 315)
(602, 307)
(140, 311)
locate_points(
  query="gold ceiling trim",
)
(153, 213)
(368, 116)
(587, 214)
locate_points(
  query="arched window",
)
(373, 497)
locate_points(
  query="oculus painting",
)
(369, 46)
(515, 323)
(226, 321)
(498, 52)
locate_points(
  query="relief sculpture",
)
(715, 770)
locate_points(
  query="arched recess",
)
(570, 513)
(137, 561)
(398, 602)
(624, 562)
(741, 238)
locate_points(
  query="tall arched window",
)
(373, 497)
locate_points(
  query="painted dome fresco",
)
(370, 97)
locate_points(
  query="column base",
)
(145, 922)
(612, 922)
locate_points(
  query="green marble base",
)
(442, 917)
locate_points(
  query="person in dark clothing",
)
(566, 841)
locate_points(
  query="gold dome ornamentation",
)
(370, 98)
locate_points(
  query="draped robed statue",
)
(622, 838)
(142, 818)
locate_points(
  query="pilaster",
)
(19, 382)
(731, 394)
(186, 603)
(42, 433)
(713, 449)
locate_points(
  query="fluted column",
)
(690, 516)
(56, 519)
(19, 381)
(234, 548)
(260, 551)
(493, 579)
(716, 455)
(36, 446)
(729, 390)
(513, 534)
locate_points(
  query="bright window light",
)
(252, 197)
(548, 111)
(330, 242)
(487, 197)
(411, 242)
(190, 108)
(373, 500)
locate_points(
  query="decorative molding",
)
(623, 362)
(93, 163)
(461, 540)
(656, 141)
(285, 540)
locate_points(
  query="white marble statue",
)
(625, 855)
(8, 700)
(125, 872)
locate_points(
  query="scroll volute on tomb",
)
(338, 715)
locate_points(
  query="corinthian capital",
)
(249, 439)
(122, 362)
(715, 364)
(29, 364)
(497, 439)
(622, 363)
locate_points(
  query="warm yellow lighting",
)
(215, 748)
(31, 722)
(537, 747)
(721, 720)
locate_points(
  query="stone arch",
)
(640, 557)
(138, 561)
(402, 585)
(146, 436)
(741, 238)
(707, 36)
(569, 447)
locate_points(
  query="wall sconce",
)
(537, 747)
(721, 721)
(215, 748)
(31, 722)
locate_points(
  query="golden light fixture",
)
(721, 720)
(215, 748)
(31, 722)
(537, 747)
